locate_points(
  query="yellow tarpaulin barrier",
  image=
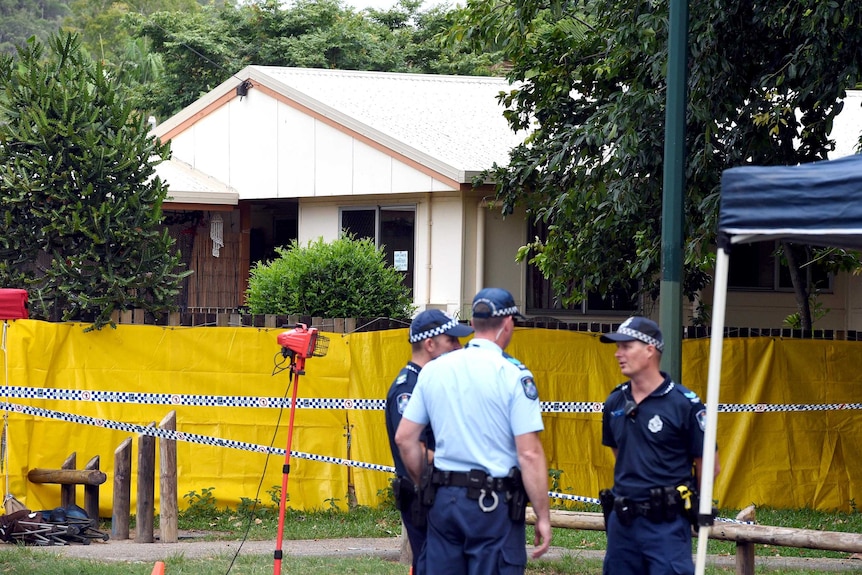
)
(221, 384)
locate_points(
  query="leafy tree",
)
(345, 278)
(79, 204)
(766, 81)
(198, 52)
(201, 49)
(100, 28)
(20, 19)
(420, 38)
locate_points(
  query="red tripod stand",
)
(297, 344)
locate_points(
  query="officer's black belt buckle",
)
(480, 486)
(473, 479)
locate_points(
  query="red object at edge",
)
(13, 303)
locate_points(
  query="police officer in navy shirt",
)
(655, 428)
(432, 333)
(484, 408)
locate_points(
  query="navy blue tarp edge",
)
(819, 203)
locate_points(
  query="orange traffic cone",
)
(158, 568)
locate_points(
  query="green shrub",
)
(345, 278)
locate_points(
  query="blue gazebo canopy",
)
(819, 203)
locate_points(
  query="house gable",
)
(301, 133)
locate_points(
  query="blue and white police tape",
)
(183, 436)
(175, 399)
(219, 442)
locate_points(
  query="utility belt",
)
(481, 487)
(664, 505)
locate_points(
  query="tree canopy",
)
(200, 49)
(765, 83)
(80, 206)
(20, 19)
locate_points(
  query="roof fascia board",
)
(190, 207)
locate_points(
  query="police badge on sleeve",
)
(401, 401)
(529, 387)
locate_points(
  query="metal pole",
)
(670, 306)
(297, 368)
(713, 386)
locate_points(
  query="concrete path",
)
(385, 548)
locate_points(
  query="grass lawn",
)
(257, 522)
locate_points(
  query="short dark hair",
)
(488, 323)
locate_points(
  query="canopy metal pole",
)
(707, 473)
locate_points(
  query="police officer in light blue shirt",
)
(484, 408)
(432, 333)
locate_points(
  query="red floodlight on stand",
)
(298, 344)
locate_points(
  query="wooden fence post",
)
(146, 488)
(122, 490)
(745, 549)
(67, 491)
(91, 493)
(168, 504)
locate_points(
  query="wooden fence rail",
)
(743, 534)
(69, 478)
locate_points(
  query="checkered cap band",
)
(639, 335)
(492, 309)
(439, 330)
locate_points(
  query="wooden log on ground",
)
(146, 502)
(571, 519)
(168, 502)
(120, 512)
(67, 478)
(758, 534)
(788, 537)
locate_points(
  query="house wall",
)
(854, 302)
(448, 241)
(490, 246)
(770, 308)
(298, 155)
(439, 241)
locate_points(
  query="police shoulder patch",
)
(701, 419)
(529, 387)
(401, 401)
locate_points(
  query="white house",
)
(275, 154)
(305, 153)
